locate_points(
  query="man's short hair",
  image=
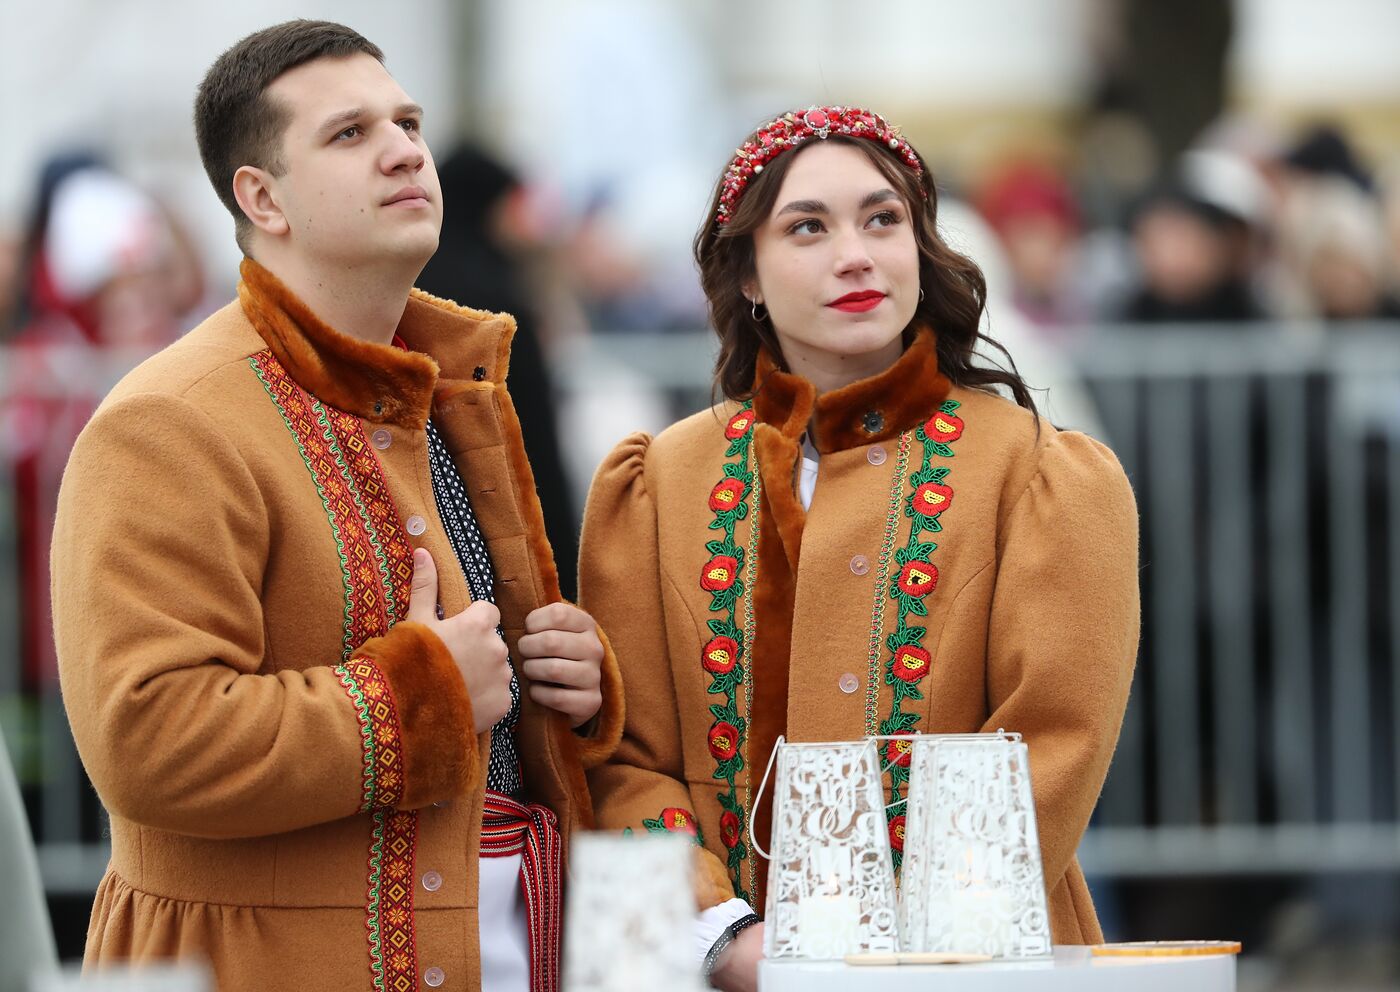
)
(236, 123)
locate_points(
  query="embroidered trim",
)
(729, 830)
(724, 657)
(290, 399)
(379, 721)
(377, 572)
(675, 820)
(909, 662)
(393, 949)
(882, 575)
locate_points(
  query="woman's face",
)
(836, 265)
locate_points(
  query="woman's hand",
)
(737, 967)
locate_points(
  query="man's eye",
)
(353, 131)
(409, 124)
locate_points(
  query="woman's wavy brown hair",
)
(955, 292)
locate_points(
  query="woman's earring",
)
(753, 311)
(921, 294)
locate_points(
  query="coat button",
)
(433, 977)
(479, 373)
(860, 564)
(432, 881)
(876, 455)
(381, 439)
(415, 525)
(873, 422)
(848, 683)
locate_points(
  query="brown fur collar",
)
(777, 465)
(900, 397)
(373, 381)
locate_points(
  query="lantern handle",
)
(758, 798)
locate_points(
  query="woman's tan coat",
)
(1032, 625)
(233, 545)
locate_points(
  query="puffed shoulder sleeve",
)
(1064, 630)
(642, 787)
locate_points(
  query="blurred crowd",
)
(1251, 223)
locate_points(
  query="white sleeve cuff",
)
(711, 924)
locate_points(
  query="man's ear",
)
(252, 188)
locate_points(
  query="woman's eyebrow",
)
(879, 196)
(803, 207)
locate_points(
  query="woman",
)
(863, 539)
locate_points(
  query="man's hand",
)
(737, 967)
(471, 637)
(562, 655)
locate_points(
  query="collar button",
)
(873, 422)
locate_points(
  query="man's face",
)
(358, 185)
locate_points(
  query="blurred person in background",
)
(487, 224)
(855, 419)
(1338, 240)
(106, 278)
(1064, 400)
(1031, 208)
(1332, 231)
(1194, 260)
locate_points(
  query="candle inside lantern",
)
(828, 926)
(981, 920)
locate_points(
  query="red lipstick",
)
(859, 302)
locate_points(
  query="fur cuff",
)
(439, 755)
(606, 730)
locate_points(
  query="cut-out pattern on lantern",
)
(830, 882)
(972, 880)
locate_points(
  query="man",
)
(277, 550)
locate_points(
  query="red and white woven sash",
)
(509, 827)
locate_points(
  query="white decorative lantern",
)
(631, 911)
(830, 882)
(972, 875)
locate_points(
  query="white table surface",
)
(1072, 969)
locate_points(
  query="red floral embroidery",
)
(724, 741)
(899, 752)
(944, 427)
(931, 499)
(679, 820)
(719, 573)
(728, 829)
(720, 655)
(726, 495)
(911, 663)
(897, 832)
(918, 578)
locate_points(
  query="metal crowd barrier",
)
(1262, 732)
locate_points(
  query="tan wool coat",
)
(1015, 605)
(282, 760)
